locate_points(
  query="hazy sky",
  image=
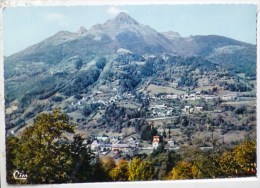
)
(25, 26)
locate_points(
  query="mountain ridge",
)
(145, 34)
(124, 20)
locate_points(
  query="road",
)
(161, 118)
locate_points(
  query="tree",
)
(245, 155)
(97, 173)
(146, 171)
(101, 62)
(140, 170)
(82, 161)
(183, 170)
(12, 143)
(227, 165)
(147, 132)
(204, 162)
(120, 172)
(45, 153)
(239, 162)
(164, 133)
(206, 166)
(107, 164)
(133, 169)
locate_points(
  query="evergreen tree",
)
(82, 161)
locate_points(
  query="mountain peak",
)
(124, 18)
(114, 26)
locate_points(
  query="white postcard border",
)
(233, 182)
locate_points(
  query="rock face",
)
(69, 64)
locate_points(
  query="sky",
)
(25, 26)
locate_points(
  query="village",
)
(159, 106)
(118, 147)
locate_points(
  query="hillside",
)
(120, 77)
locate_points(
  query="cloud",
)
(57, 18)
(115, 10)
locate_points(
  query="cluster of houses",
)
(195, 96)
(104, 145)
(117, 97)
(130, 96)
(164, 110)
(190, 109)
(117, 147)
(156, 110)
(112, 99)
(160, 110)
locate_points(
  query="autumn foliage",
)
(44, 152)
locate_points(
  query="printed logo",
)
(19, 175)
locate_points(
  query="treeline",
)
(45, 154)
(192, 63)
(238, 86)
(188, 163)
(81, 83)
